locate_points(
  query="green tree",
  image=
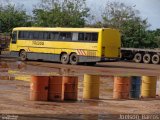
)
(12, 16)
(57, 13)
(154, 36)
(126, 19)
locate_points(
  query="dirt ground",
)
(14, 95)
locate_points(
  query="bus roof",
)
(59, 29)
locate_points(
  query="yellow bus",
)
(65, 45)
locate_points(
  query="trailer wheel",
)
(74, 59)
(147, 58)
(138, 57)
(155, 59)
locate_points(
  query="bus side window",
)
(26, 35)
(81, 37)
(94, 37)
(75, 37)
(65, 36)
(88, 37)
(30, 37)
(14, 37)
(40, 37)
(21, 35)
(54, 36)
(35, 35)
(47, 36)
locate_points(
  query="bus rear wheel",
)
(74, 59)
(23, 55)
(138, 57)
(64, 58)
(147, 58)
(155, 59)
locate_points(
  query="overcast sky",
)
(148, 8)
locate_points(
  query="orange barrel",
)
(56, 88)
(4, 65)
(4, 78)
(121, 87)
(39, 88)
(71, 87)
(91, 86)
(148, 88)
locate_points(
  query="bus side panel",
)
(87, 52)
(14, 54)
(44, 56)
(111, 43)
(89, 59)
(56, 57)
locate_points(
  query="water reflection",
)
(70, 117)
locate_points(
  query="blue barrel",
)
(135, 87)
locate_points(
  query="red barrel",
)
(39, 88)
(71, 87)
(56, 88)
(121, 87)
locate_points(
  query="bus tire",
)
(147, 58)
(23, 55)
(64, 58)
(138, 57)
(74, 59)
(155, 59)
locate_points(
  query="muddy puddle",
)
(65, 117)
(15, 94)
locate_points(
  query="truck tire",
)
(147, 58)
(155, 59)
(138, 57)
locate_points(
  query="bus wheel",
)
(23, 55)
(155, 59)
(138, 57)
(147, 58)
(64, 58)
(74, 59)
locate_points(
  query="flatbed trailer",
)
(140, 55)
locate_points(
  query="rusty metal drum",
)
(71, 87)
(121, 87)
(56, 88)
(39, 88)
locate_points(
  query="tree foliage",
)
(126, 19)
(154, 37)
(75, 13)
(12, 16)
(57, 13)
